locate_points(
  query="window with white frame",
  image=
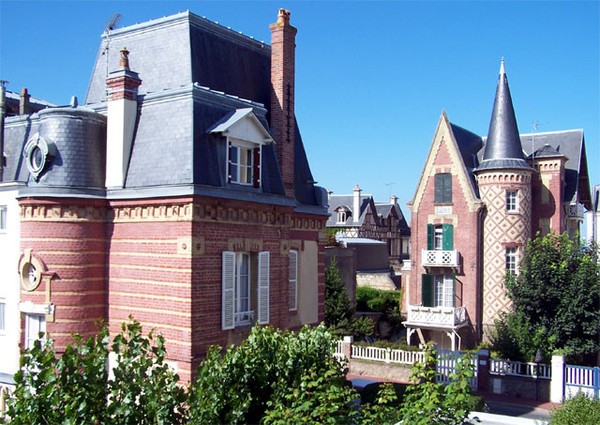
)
(341, 216)
(2, 316)
(245, 290)
(35, 324)
(438, 237)
(511, 260)
(244, 163)
(511, 200)
(293, 280)
(443, 290)
(3, 210)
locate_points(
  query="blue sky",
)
(372, 77)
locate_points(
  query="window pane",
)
(2, 317)
(2, 217)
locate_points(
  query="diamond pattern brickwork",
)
(502, 229)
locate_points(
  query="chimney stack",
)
(356, 204)
(393, 199)
(24, 102)
(121, 117)
(283, 119)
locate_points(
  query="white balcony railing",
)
(436, 316)
(575, 211)
(437, 258)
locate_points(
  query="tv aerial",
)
(111, 24)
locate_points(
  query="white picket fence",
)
(528, 370)
(387, 355)
(582, 379)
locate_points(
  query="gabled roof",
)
(384, 210)
(233, 119)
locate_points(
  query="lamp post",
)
(538, 359)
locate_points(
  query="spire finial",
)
(502, 70)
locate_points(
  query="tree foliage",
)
(273, 377)
(430, 402)
(339, 312)
(556, 297)
(75, 388)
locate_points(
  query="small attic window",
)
(244, 163)
(342, 215)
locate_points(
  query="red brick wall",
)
(68, 235)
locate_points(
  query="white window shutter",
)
(228, 288)
(263, 287)
(293, 280)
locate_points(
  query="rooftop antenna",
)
(534, 127)
(110, 25)
(388, 185)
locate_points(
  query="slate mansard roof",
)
(194, 74)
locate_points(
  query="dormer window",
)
(245, 137)
(244, 163)
(342, 215)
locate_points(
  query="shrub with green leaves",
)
(577, 410)
(430, 402)
(275, 377)
(75, 388)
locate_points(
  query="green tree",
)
(339, 313)
(75, 388)
(274, 376)
(557, 295)
(430, 402)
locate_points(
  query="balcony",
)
(438, 258)
(436, 317)
(575, 211)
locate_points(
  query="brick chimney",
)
(283, 119)
(24, 102)
(122, 86)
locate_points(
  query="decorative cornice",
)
(504, 177)
(170, 212)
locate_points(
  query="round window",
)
(36, 159)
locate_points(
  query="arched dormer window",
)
(342, 214)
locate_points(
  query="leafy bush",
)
(75, 387)
(430, 402)
(273, 377)
(577, 410)
(377, 300)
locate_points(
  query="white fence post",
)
(347, 347)
(557, 383)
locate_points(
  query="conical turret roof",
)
(503, 147)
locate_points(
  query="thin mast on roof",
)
(110, 25)
(534, 128)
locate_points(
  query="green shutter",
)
(447, 237)
(427, 290)
(448, 189)
(430, 237)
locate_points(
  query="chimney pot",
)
(24, 102)
(283, 17)
(124, 61)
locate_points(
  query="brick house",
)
(180, 193)
(478, 201)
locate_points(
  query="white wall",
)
(9, 280)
